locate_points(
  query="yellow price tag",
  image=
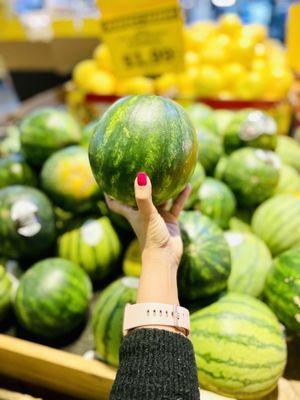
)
(144, 39)
(293, 37)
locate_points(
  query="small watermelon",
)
(240, 348)
(94, 246)
(27, 223)
(45, 131)
(15, 171)
(205, 264)
(9, 140)
(210, 149)
(68, 180)
(108, 317)
(252, 174)
(250, 263)
(289, 180)
(282, 290)
(52, 298)
(5, 293)
(88, 132)
(216, 200)
(195, 182)
(288, 150)
(143, 133)
(277, 222)
(202, 116)
(132, 262)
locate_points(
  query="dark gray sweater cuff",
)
(156, 365)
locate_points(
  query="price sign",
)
(144, 39)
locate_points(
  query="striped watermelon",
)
(132, 262)
(250, 263)
(238, 225)
(14, 171)
(277, 222)
(68, 180)
(288, 150)
(202, 116)
(94, 246)
(195, 181)
(210, 149)
(52, 298)
(143, 133)
(216, 200)
(205, 264)
(108, 317)
(219, 171)
(289, 180)
(252, 174)
(282, 290)
(240, 349)
(5, 292)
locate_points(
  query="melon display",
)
(219, 170)
(195, 182)
(288, 150)
(250, 263)
(10, 141)
(108, 317)
(46, 130)
(282, 290)
(27, 223)
(277, 222)
(143, 133)
(216, 200)
(239, 345)
(94, 246)
(210, 149)
(68, 180)
(289, 180)
(5, 293)
(238, 225)
(132, 262)
(203, 117)
(87, 133)
(252, 174)
(205, 264)
(15, 171)
(52, 298)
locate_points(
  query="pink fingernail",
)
(142, 179)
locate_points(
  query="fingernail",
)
(142, 179)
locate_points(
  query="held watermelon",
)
(52, 298)
(252, 174)
(210, 149)
(27, 223)
(108, 317)
(5, 293)
(68, 180)
(132, 262)
(143, 133)
(195, 182)
(15, 171)
(288, 150)
(205, 264)
(45, 131)
(277, 222)
(282, 290)
(216, 200)
(94, 246)
(240, 349)
(289, 180)
(250, 263)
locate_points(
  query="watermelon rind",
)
(5, 293)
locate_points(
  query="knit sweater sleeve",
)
(156, 365)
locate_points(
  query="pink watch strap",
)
(145, 314)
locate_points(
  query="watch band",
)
(145, 314)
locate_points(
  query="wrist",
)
(159, 257)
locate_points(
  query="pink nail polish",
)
(142, 179)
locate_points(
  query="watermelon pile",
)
(74, 258)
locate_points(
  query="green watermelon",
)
(195, 182)
(202, 116)
(216, 200)
(238, 225)
(252, 174)
(5, 293)
(289, 180)
(88, 132)
(108, 317)
(27, 224)
(205, 264)
(143, 133)
(132, 262)
(15, 171)
(94, 246)
(52, 298)
(67, 178)
(9, 140)
(277, 222)
(252, 128)
(250, 263)
(282, 290)
(223, 119)
(210, 149)
(118, 221)
(46, 130)
(220, 168)
(288, 150)
(240, 348)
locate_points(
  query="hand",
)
(156, 228)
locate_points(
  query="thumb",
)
(143, 195)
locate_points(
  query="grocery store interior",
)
(98, 99)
